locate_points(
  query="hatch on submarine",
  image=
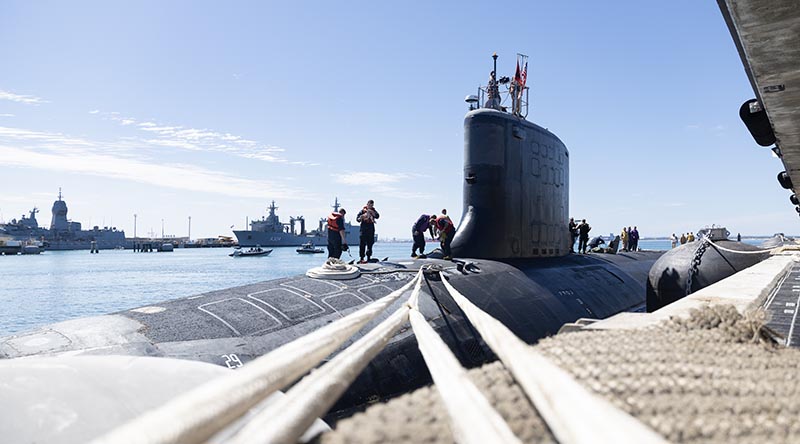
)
(513, 261)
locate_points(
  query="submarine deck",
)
(703, 369)
(251, 320)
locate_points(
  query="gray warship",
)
(271, 232)
(63, 233)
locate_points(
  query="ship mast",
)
(336, 205)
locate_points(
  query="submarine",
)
(513, 260)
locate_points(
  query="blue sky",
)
(211, 110)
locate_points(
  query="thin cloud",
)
(94, 111)
(178, 176)
(125, 159)
(41, 137)
(194, 139)
(19, 98)
(382, 183)
(369, 178)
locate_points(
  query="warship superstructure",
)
(63, 233)
(269, 231)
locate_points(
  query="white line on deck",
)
(791, 328)
(775, 291)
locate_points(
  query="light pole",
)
(190, 228)
(162, 228)
(134, 225)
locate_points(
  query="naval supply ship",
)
(271, 232)
(63, 233)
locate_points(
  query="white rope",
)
(199, 414)
(573, 414)
(472, 418)
(715, 245)
(288, 418)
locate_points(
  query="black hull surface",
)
(533, 297)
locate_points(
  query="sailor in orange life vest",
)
(336, 240)
(446, 230)
(366, 237)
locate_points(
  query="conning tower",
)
(516, 178)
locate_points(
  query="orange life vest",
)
(333, 222)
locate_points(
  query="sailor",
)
(366, 238)
(690, 237)
(336, 240)
(633, 241)
(624, 237)
(683, 238)
(573, 233)
(596, 242)
(445, 216)
(446, 231)
(673, 240)
(583, 236)
(492, 92)
(418, 233)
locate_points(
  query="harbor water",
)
(37, 290)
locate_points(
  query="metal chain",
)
(698, 257)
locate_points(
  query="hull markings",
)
(342, 295)
(279, 323)
(336, 288)
(318, 309)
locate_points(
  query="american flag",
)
(523, 75)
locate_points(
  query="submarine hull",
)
(533, 297)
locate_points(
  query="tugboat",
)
(309, 248)
(257, 251)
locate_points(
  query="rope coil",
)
(334, 268)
